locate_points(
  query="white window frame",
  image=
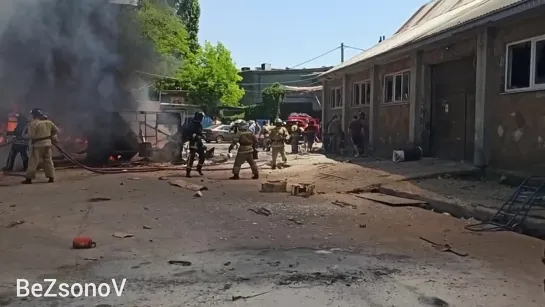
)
(533, 86)
(384, 89)
(361, 87)
(334, 102)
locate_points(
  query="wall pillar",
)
(415, 99)
(376, 86)
(484, 95)
(326, 105)
(345, 108)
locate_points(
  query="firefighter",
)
(194, 133)
(42, 133)
(246, 151)
(19, 144)
(278, 137)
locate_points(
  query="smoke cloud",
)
(75, 59)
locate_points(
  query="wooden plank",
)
(187, 185)
(390, 200)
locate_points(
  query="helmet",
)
(278, 122)
(36, 112)
(251, 122)
(199, 116)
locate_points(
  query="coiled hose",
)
(120, 170)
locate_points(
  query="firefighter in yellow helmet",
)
(42, 134)
(248, 147)
(278, 136)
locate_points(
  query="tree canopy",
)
(207, 75)
(273, 97)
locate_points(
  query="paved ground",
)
(308, 252)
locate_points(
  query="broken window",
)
(361, 93)
(540, 62)
(356, 94)
(367, 93)
(397, 87)
(519, 63)
(336, 97)
(406, 85)
(389, 89)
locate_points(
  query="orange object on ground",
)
(83, 242)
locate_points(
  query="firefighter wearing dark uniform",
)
(248, 143)
(19, 145)
(194, 134)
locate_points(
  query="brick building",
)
(464, 79)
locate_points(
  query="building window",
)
(336, 97)
(525, 67)
(396, 87)
(361, 93)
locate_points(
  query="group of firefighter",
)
(41, 134)
(247, 141)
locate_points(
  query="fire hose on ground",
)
(120, 170)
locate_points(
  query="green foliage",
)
(163, 28)
(273, 97)
(190, 12)
(208, 76)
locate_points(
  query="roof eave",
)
(507, 12)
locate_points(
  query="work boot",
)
(27, 181)
(51, 180)
(255, 176)
(234, 177)
(273, 167)
(199, 169)
(188, 174)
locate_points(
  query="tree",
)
(190, 13)
(211, 78)
(273, 97)
(165, 31)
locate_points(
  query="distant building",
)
(254, 81)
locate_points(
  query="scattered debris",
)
(98, 199)
(261, 211)
(188, 185)
(12, 206)
(332, 175)
(444, 248)
(198, 194)
(239, 297)
(306, 189)
(15, 223)
(180, 262)
(432, 301)
(81, 242)
(277, 186)
(122, 235)
(390, 200)
(363, 225)
(323, 252)
(146, 227)
(227, 263)
(90, 258)
(293, 220)
(134, 178)
(227, 286)
(343, 204)
(163, 178)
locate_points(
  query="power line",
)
(355, 48)
(315, 58)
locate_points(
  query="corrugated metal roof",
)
(459, 14)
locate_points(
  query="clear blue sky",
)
(286, 33)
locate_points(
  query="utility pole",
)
(342, 52)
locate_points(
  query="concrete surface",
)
(308, 252)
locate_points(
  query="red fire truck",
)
(304, 119)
